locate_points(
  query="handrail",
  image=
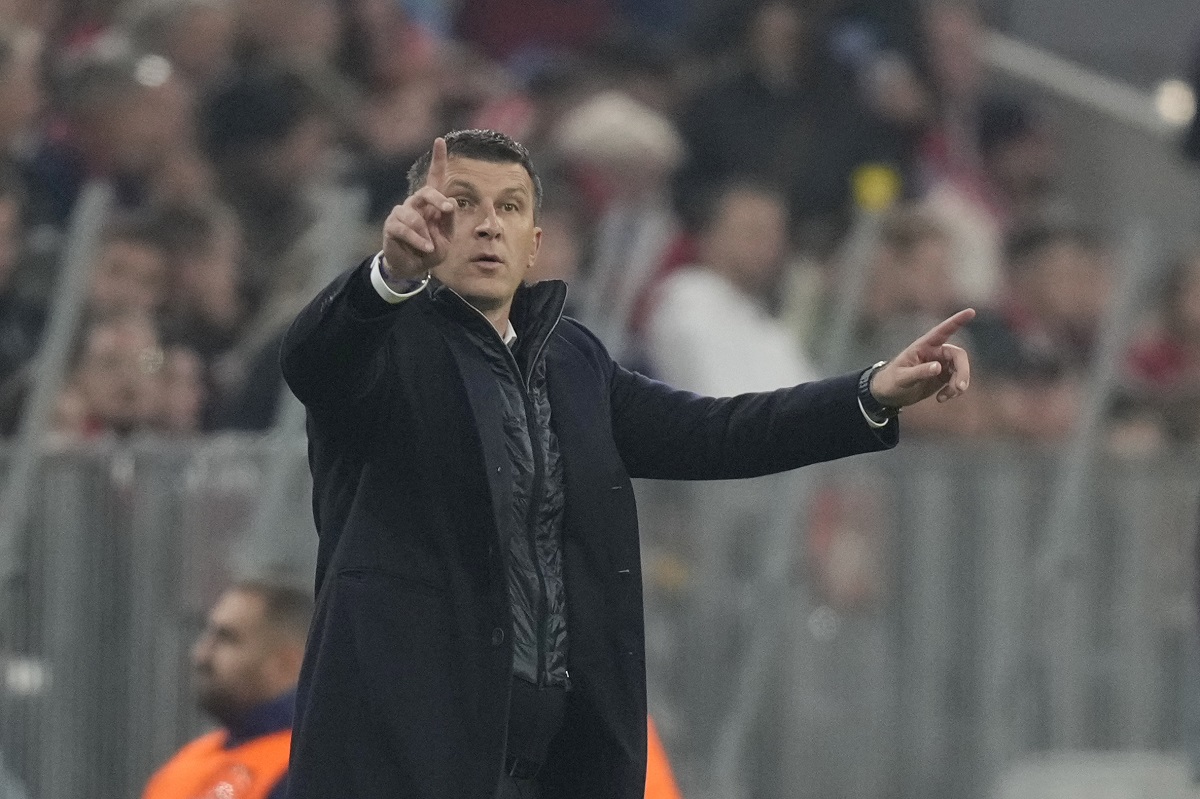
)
(1110, 97)
(90, 214)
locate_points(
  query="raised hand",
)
(416, 234)
(926, 367)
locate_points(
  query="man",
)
(246, 663)
(710, 330)
(479, 623)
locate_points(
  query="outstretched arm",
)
(668, 434)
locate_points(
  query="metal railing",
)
(911, 651)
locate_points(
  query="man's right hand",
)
(416, 234)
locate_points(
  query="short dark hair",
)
(191, 227)
(287, 608)
(709, 202)
(906, 228)
(137, 226)
(258, 108)
(481, 145)
(1032, 240)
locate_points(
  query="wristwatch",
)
(871, 406)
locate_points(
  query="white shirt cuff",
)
(386, 292)
(867, 416)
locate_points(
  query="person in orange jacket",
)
(660, 780)
(246, 663)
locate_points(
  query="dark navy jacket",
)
(404, 689)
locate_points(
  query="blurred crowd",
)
(707, 167)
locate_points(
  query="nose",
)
(489, 225)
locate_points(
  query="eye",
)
(510, 207)
(463, 202)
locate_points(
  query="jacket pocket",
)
(402, 581)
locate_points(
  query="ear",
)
(537, 245)
(283, 666)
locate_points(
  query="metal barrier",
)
(909, 652)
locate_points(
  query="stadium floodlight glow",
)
(1175, 102)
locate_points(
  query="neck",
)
(740, 281)
(499, 320)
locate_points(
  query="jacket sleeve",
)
(334, 351)
(667, 434)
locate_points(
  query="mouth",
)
(486, 259)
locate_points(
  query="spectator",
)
(789, 114)
(246, 665)
(711, 331)
(115, 385)
(1020, 165)
(956, 188)
(23, 110)
(131, 121)
(1034, 348)
(505, 30)
(1163, 380)
(300, 34)
(270, 136)
(206, 305)
(623, 156)
(196, 36)
(397, 67)
(129, 275)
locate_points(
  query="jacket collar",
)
(536, 310)
(274, 715)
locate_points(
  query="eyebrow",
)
(459, 183)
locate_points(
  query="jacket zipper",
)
(537, 493)
(539, 475)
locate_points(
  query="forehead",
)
(237, 609)
(488, 174)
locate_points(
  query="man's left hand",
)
(926, 367)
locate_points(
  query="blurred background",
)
(741, 195)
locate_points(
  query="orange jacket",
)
(660, 782)
(204, 769)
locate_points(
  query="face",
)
(119, 378)
(747, 239)
(1070, 284)
(494, 241)
(148, 123)
(777, 36)
(234, 657)
(128, 276)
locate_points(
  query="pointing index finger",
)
(942, 333)
(437, 165)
